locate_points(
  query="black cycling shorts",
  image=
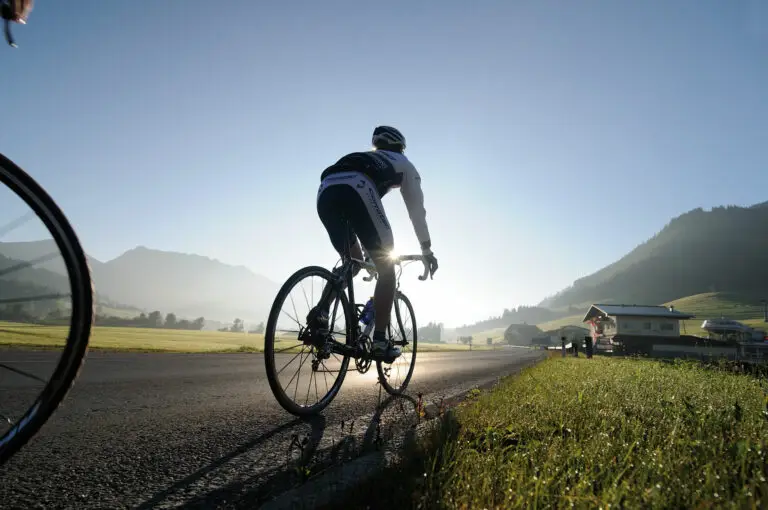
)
(351, 196)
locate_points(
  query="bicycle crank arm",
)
(342, 349)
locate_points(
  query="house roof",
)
(635, 311)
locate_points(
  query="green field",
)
(573, 320)
(598, 433)
(713, 305)
(159, 340)
(497, 334)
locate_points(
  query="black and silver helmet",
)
(388, 138)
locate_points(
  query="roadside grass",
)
(19, 335)
(598, 433)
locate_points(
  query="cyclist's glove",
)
(430, 260)
(17, 10)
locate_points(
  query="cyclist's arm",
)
(413, 197)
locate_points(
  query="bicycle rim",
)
(403, 333)
(18, 381)
(288, 360)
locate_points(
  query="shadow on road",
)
(317, 427)
(229, 483)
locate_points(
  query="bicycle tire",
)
(81, 287)
(269, 344)
(392, 390)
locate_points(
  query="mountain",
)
(724, 249)
(188, 285)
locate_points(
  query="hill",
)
(188, 285)
(519, 315)
(697, 252)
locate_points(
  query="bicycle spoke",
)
(29, 263)
(306, 299)
(317, 396)
(297, 355)
(298, 374)
(294, 310)
(286, 349)
(22, 372)
(13, 225)
(293, 319)
(33, 299)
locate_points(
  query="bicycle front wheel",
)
(402, 332)
(46, 308)
(303, 378)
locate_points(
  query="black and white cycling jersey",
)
(384, 170)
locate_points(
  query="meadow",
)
(159, 340)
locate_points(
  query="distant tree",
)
(155, 319)
(198, 323)
(489, 341)
(170, 321)
(259, 329)
(237, 327)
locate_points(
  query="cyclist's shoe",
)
(383, 350)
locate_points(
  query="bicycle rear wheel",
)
(46, 310)
(284, 349)
(402, 332)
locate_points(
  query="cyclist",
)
(351, 190)
(17, 10)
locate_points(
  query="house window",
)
(666, 326)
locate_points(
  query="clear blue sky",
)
(201, 127)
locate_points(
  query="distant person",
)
(17, 10)
(351, 190)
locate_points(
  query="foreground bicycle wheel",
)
(402, 330)
(289, 361)
(46, 309)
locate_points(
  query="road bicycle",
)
(330, 354)
(35, 296)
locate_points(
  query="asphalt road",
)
(204, 430)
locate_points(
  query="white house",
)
(608, 321)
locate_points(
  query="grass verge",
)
(578, 433)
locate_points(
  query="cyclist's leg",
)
(332, 211)
(372, 227)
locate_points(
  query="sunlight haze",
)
(551, 138)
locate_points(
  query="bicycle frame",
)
(346, 274)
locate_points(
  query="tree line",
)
(431, 333)
(153, 319)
